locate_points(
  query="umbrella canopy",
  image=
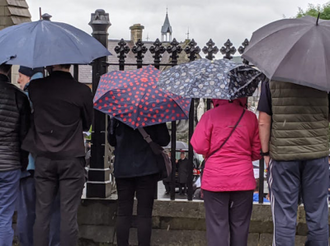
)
(43, 43)
(293, 50)
(179, 146)
(222, 79)
(134, 98)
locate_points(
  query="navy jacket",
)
(133, 155)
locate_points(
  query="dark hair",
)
(5, 68)
(66, 66)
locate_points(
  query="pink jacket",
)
(229, 169)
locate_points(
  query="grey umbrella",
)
(179, 146)
(293, 50)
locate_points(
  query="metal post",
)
(191, 153)
(174, 49)
(99, 172)
(193, 50)
(76, 72)
(261, 180)
(173, 154)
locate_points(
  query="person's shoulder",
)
(84, 87)
(38, 81)
(251, 117)
(14, 88)
(210, 112)
(250, 113)
(80, 86)
(19, 93)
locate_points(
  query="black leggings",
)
(145, 188)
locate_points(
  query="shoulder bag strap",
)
(145, 135)
(229, 134)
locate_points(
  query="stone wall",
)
(174, 223)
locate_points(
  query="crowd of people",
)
(292, 137)
(230, 137)
(42, 168)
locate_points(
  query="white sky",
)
(216, 19)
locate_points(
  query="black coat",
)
(133, 155)
(63, 109)
(183, 170)
(14, 124)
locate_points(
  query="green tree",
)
(314, 10)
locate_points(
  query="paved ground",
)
(161, 194)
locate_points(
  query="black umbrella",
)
(293, 50)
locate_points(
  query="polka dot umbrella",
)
(134, 98)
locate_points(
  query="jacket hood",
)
(240, 101)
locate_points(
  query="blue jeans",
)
(9, 185)
(26, 214)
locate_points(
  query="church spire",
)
(166, 29)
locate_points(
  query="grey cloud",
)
(206, 19)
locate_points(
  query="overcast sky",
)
(216, 19)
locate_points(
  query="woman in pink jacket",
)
(228, 181)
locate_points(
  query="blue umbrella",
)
(43, 43)
(222, 79)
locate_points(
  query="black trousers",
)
(182, 185)
(145, 188)
(227, 217)
(66, 177)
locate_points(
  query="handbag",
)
(163, 161)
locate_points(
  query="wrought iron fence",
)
(173, 49)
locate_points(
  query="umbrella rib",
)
(272, 33)
(287, 53)
(326, 71)
(71, 37)
(171, 96)
(34, 43)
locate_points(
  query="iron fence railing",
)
(174, 50)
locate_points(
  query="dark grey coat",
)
(133, 155)
(14, 124)
(183, 170)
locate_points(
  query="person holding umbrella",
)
(293, 122)
(27, 195)
(228, 136)
(136, 173)
(138, 111)
(63, 109)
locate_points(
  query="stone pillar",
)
(98, 184)
(136, 32)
